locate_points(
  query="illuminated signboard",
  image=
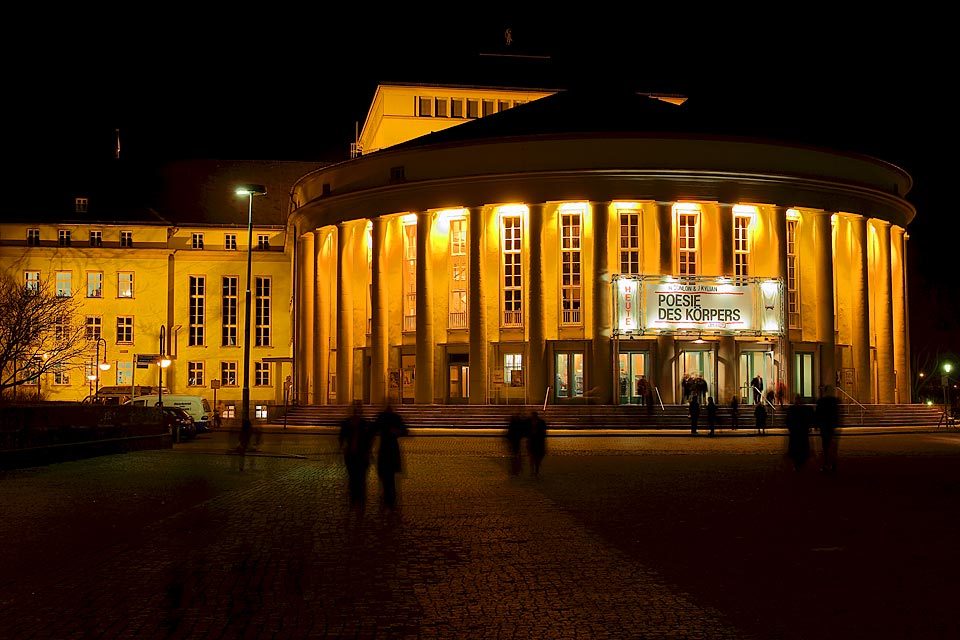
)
(664, 305)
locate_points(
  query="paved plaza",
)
(620, 537)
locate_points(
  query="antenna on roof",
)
(508, 39)
(355, 149)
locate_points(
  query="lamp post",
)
(249, 190)
(947, 368)
(162, 364)
(103, 366)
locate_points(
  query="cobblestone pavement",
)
(620, 537)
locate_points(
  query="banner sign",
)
(665, 305)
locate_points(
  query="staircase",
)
(588, 417)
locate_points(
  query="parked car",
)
(183, 421)
(196, 406)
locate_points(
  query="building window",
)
(125, 284)
(230, 242)
(263, 242)
(369, 296)
(489, 107)
(197, 313)
(261, 305)
(33, 237)
(61, 375)
(228, 315)
(503, 105)
(94, 284)
(511, 246)
(96, 238)
(423, 107)
(81, 205)
(741, 247)
(440, 108)
(512, 365)
(124, 373)
(126, 239)
(687, 235)
(260, 411)
(629, 241)
(793, 283)
(63, 237)
(456, 108)
(410, 277)
(261, 374)
(195, 373)
(93, 327)
(473, 108)
(570, 289)
(124, 329)
(458, 273)
(32, 280)
(60, 327)
(228, 373)
(64, 284)
(196, 241)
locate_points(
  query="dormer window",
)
(63, 237)
(96, 238)
(197, 241)
(80, 205)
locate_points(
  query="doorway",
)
(633, 373)
(568, 383)
(458, 378)
(803, 378)
(754, 364)
(696, 365)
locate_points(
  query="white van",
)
(196, 406)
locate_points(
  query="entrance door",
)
(408, 371)
(633, 366)
(753, 364)
(458, 378)
(803, 375)
(695, 365)
(568, 383)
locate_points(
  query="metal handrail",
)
(863, 409)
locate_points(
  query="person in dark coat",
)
(712, 414)
(757, 385)
(694, 413)
(760, 417)
(735, 412)
(389, 427)
(516, 431)
(798, 434)
(536, 441)
(355, 439)
(827, 418)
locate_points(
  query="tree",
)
(39, 332)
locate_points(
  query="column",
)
(901, 364)
(860, 312)
(906, 306)
(306, 316)
(423, 383)
(726, 234)
(321, 328)
(780, 225)
(344, 314)
(666, 351)
(378, 315)
(826, 329)
(536, 359)
(665, 231)
(476, 302)
(884, 314)
(602, 374)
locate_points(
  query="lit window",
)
(126, 239)
(741, 247)
(793, 283)
(33, 237)
(262, 311)
(629, 241)
(228, 374)
(125, 284)
(124, 329)
(197, 312)
(512, 365)
(687, 236)
(511, 247)
(96, 238)
(124, 373)
(228, 316)
(196, 241)
(410, 277)
(570, 263)
(458, 273)
(32, 280)
(61, 375)
(63, 237)
(195, 377)
(230, 241)
(64, 284)
(260, 412)
(94, 284)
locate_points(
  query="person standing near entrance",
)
(711, 414)
(642, 390)
(757, 385)
(694, 413)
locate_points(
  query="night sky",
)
(288, 83)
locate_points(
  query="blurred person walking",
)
(827, 419)
(760, 418)
(536, 441)
(355, 440)
(798, 434)
(389, 427)
(693, 411)
(516, 430)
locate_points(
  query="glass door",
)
(634, 383)
(803, 375)
(569, 375)
(696, 376)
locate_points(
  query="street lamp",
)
(162, 364)
(249, 190)
(947, 368)
(103, 366)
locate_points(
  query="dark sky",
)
(292, 83)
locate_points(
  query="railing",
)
(512, 318)
(458, 320)
(409, 323)
(863, 409)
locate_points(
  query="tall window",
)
(261, 374)
(196, 241)
(512, 362)
(456, 108)
(63, 237)
(570, 289)
(511, 246)
(629, 241)
(473, 108)
(369, 297)
(94, 324)
(687, 236)
(228, 315)
(124, 372)
(262, 311)
(198, 286)
(228, 373)
(33, 237)
(61, 326)
(61, 375)
(458, 273)
(64, 284)
(195, 376)
(230, 241)
(741, 246)
(125, 329)
(126, 239)
(125, 284)
(489, 107)
(410, 277)
(440, 108)
(423, 107)
(32, 280)
(793, 284)
(96, 238)
(263, 242)
(94, 284)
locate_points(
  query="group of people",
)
(532, 428)
(694, 387)
(357, 436)
(825, 416)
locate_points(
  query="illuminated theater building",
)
(556, 246)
